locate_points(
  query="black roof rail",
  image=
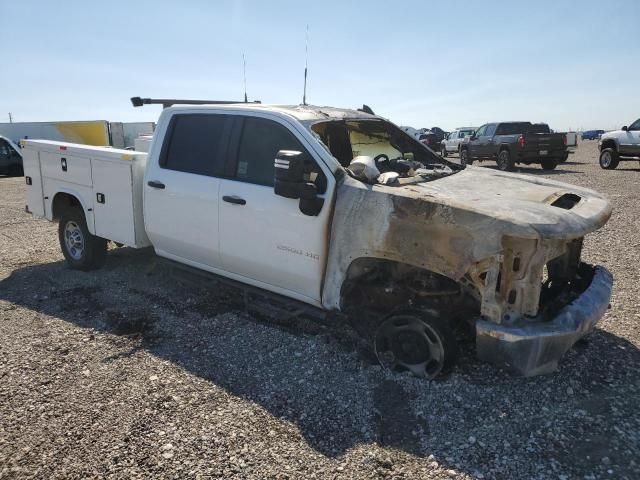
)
(166, 102)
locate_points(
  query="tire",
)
(82, 250)
(504, 161)
(443, 151)
(418, 342)
(549, 163)
(609, 159)
(464, 157)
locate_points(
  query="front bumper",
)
(535, 348)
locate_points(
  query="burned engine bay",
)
(378, 152)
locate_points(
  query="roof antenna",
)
(306, 58)
(244, 73)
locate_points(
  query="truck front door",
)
(631, 141)
(181, 189)
(475, 142)
(486, 145)
(264, 238)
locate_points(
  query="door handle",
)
(235, 200)
(155, 184)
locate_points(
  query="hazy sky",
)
(571, 64)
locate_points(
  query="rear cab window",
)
(513, 128)
(196, 143)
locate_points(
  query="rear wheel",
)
(81, 249)
(549, 163)
(418, 342)
(609, 159)
(504, 161)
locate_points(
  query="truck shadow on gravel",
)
(314, 375)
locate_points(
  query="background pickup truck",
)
(623, 144)
(452, 142)
(510, 143)
(291, 199)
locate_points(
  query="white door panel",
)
(182, 218)
(270, 240)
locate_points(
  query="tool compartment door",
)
(113, 201)
(33, 179)
(67, 168)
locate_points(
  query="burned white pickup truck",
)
(344, 212)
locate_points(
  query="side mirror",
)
(473, 136)
(625, 128)
(290, 169)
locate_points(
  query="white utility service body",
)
(106, 181)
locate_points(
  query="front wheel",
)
(609, 159)
(504, 161)
(464, 157)
(418, 342)
(549, 163)
(81, 249)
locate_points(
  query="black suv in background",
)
(510, 143)
(433, 137)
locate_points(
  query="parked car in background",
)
(431, 140)
(451, 144)
(510, 143)
(441, 134)
(10, 157)
(591, 134)
(623, 144)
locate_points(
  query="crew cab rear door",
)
(181, 188)
(265, 239)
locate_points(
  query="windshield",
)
(381, 143)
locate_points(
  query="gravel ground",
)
(132, 372)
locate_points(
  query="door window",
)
(481, 130)
(260, 141)
(635, 125)
(4, 149)
(195, 143)
(490, 130)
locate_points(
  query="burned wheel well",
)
(380, 286)
(63, 202)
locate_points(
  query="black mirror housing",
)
(625, 128)
(289, 166)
